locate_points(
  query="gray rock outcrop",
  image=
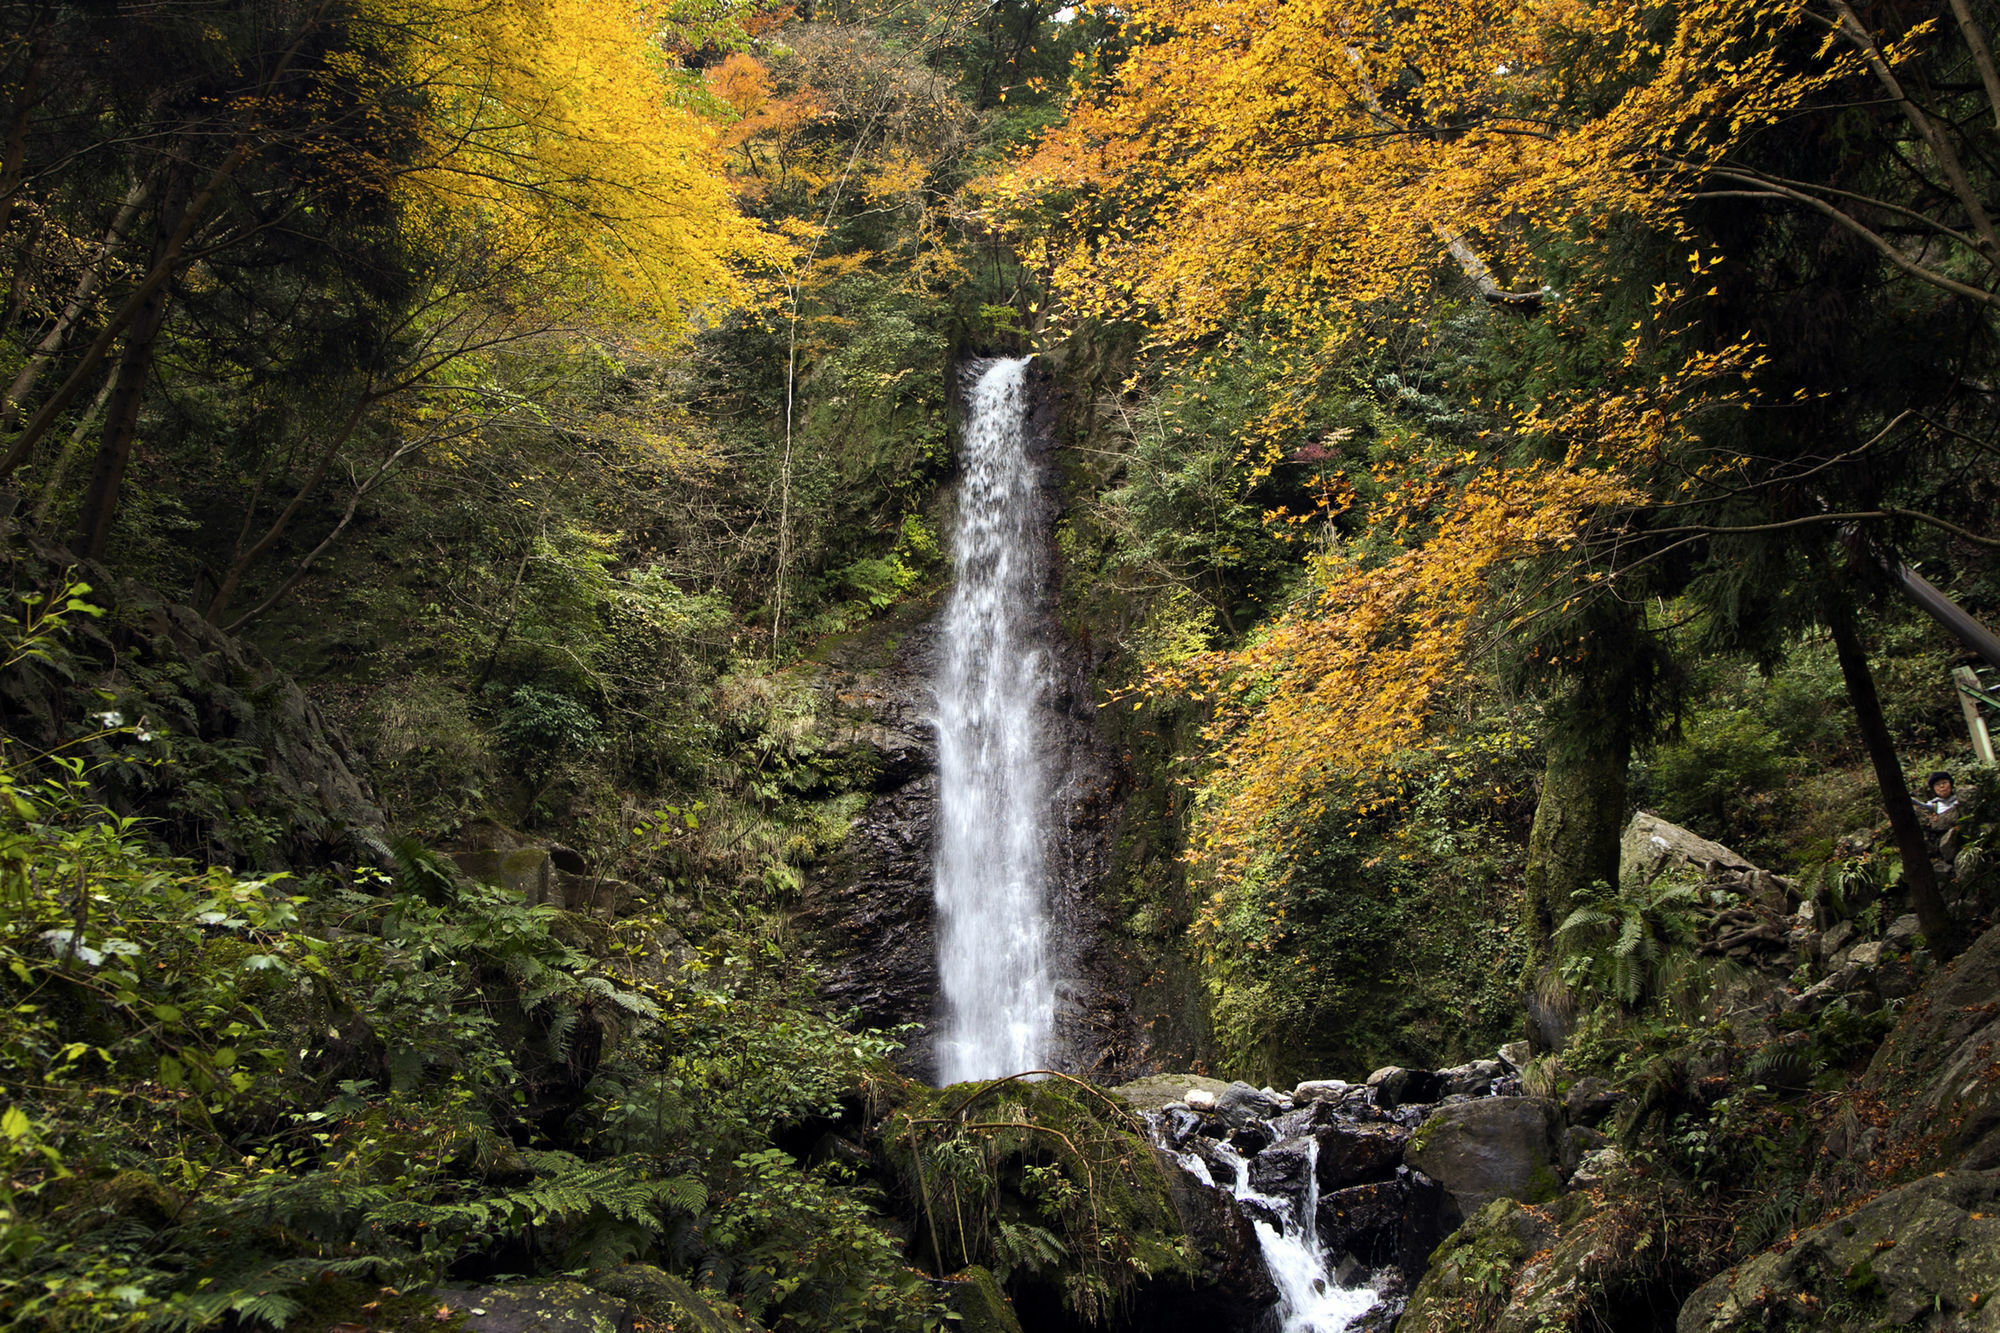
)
(1926, 1255)
(1496, 1148)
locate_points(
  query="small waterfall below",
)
(1310, 1298)
(991, 891)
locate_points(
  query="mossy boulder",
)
(1493, 1148)
(1584, 1263)
(1925, 1256)
(541, 1307)
(1941, 1063)
(1159, 1090)
(1052, 1184)
(665, 1300)
(1474, 1272)
(975, 1297)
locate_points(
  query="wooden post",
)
(1968, 699)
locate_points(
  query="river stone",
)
(1498, 1148)
(1200, 1099)
(1351, 1154)
(1365, 1221)
(1178, 1124)
(1283, 1171)
(1470, 1080)
(1241, 1105)
(1395, 1086)
(1159, 1090)
(1898, 1261)
(544, 1307)
(1515, 1055)
(1320, 1090)
(1252, 1139)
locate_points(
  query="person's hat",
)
(1935, 778)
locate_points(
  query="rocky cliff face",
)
(871, 907)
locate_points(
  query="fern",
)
(1021, 1245)
(1626, 943)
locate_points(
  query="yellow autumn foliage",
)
(1320, 164)
(553, 133)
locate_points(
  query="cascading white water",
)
(1310, 1300)
(992, 929)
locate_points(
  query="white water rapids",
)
(992, 924)
(1309, 1299)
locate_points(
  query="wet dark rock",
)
(1307, 1119)
(1283, 1171)
(1241, 1105)
(1365, 1221)
(1178, 1124)
(869, 909)
(1251, 1139)
(1426, 1208)
(1395, 1086)
(1351, 1154)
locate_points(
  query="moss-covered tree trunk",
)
(1573, 845)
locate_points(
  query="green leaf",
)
(14, 1123)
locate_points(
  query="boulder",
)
(1515, 1055)
(1590, 1099)
(1158, 1090)
(1351, 1154)
(1940, 1064)
(1578, 1142)
(1321, 1090)
(1651, 847)
(1471, 1080)
(1396, 1086)
(1200, 1099)
(1486, 1252)
(1284, 1171)
(1927, 1254)
(975, 1297)
(542, 1307)
(1365, 1221)
(1496, 1148)
(1241, 1105)
(664, 1300)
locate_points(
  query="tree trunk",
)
(1573, 845)
(1939, 930)
(121, 427)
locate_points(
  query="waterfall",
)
(992, 925)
